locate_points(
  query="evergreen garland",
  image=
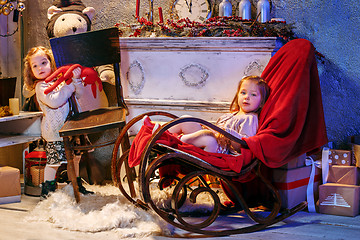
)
(213, 27)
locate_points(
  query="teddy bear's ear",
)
(89, 11)
(52, 11)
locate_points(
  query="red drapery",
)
(292, 120)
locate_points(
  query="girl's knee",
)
(202, 139)
(211, 144)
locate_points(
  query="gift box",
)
(343, 175)
(339, 199)
(356, 155)
(295, 163)
(10, 190)
(292, 184)
(355, 142)
(340, 157)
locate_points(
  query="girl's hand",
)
(222, 140)
(76, 73)
(79, 87)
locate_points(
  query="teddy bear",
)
(68, 17)
(71, 17)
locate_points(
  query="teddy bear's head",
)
(68, 17)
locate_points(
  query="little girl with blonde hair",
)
(38, 65)
(241, 121)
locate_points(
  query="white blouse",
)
(239, 125)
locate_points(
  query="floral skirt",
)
(55, 152)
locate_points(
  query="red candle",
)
(161, 15)
(137, 8)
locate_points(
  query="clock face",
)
(195, 10)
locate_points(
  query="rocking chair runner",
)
(90, 49)
(291, 123)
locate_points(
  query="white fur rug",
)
(106, 210)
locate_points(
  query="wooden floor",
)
(302, 226)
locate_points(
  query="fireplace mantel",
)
(196, 76)
(213, 44)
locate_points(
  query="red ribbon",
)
(296, 184)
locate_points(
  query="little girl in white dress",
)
(241, 122)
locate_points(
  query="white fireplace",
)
(195, 76)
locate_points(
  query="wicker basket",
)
(37, 175)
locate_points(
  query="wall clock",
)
(195, 10)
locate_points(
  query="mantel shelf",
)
(20, 129)
(223, 44)
(22, 115)
(8, 140)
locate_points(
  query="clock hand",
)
(189, 6)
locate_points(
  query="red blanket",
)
(222, 161)
(290, 124)
(292, 121)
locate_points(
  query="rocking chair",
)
(291, 123)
